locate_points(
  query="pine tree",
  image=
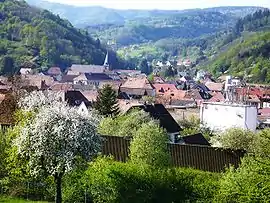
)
(106, 103)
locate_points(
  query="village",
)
(226, 98)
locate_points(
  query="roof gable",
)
(75, 98)
(87, 68)
(159, 112)
(197, 139)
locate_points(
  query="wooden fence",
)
(198, 157)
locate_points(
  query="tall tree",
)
(106, 103)
(54, 140)
(145, 67)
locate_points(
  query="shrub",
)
(111, 181)
(149, 146)
(124, 125)
(235, 139)
(249, 183)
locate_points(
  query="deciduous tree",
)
(56, 137)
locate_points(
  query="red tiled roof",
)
(162, 88)
(217, 97)
(138, 83)
(264, 111)
(214, 86)
(61, 87)
(54, 71)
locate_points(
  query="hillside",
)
(249, 58)
(38, 38)
(248, 50)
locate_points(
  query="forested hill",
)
(38, 38)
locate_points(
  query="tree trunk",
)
(58, 191)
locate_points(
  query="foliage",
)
(248, 58)
(111, 181)
(249, 183)
(17, 181)
(106, 103)
(149, 146)
(145, 68)
(192, 126)
(15, 200)
(35, 38)
(235, 139)
(261, 148)
(124, 125)
(56, 137)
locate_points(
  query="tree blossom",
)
(55, 138)
(36, 99)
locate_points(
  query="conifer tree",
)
(106, 103)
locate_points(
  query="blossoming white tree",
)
(36, 99)
(55, 138)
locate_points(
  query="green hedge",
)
(108, 181)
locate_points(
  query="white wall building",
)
(222, 116)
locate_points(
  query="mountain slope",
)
(93, 15)
(249, 58)
(36, 38)
(248, 52)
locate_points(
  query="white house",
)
(222, 116)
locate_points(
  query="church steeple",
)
(106, 61)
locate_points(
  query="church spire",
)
(106, 61)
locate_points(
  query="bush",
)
(235, 139)
(149, 146)
(249, 183)
(124, 125)
(192, 126)
(111, 181)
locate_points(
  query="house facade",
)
(223, 116)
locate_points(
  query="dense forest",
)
(248, 55)
(36, 38)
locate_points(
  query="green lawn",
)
(13, 200)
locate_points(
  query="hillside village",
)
(80, 85)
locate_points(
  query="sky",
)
(164, 4)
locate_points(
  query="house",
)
(158, 80)
(91, 79)
(187, 63)
(68, 79)
(54, 71)
(77, 69)
(138, 87)
(159, 64)
(130, 73)
(166, 121)
(61, 87)
(214, 87)
(26, 71)
(222, 116)
(186, 79)
(162, 88)
(90, 95)
(77, 99)
(40, 81)
(217, 97)
(197, 139)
